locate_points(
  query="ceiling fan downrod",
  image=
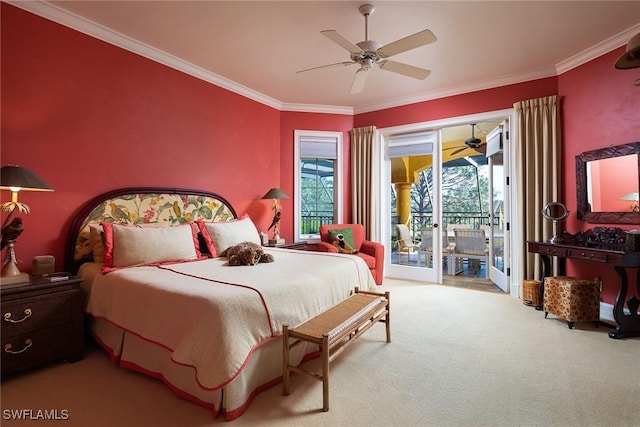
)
(366, 10)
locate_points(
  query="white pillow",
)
(127, 246)
(220, 236)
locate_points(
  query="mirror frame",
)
(581, 185)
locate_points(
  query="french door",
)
(411, 168)
(411, 173)
(499, 217)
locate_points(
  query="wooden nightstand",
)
(42, 321)
(301, 246)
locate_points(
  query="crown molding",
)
(311, 108)
(63, 17)
(93, 29)
(605, 46)
(458, 90)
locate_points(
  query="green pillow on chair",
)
(346, 232)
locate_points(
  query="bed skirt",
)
(262, 370)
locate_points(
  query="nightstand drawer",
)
(36, 313)
(34, 348)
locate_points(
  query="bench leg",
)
(325, 373)
(285, 360)
(387, 322)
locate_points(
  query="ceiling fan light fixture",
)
(473, 142)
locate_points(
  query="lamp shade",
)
(275, 193)
(631, 58)
(13, 176)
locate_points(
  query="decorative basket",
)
(633, 240)
(531, 293)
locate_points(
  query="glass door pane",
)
(413, 185)
(498, 253)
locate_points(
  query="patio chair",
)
(452, 227)
(405, 243)
(470, 244)
(426, 245)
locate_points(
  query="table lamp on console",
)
(276, 194)
(633, 198)
(15, 178)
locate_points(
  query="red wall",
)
(601, 107)
(88, 117)
(460, 105)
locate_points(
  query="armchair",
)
(371, 252)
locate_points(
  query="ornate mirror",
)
(608, 184)
(555, 212)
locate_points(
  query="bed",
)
(161, 298)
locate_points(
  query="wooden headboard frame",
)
(83, 217)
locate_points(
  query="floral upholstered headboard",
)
(152, 206)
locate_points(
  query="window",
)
(318, 187)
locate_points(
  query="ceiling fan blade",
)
(337, 64)
(459, 150)
(359, 80)
(341, 40)
(410, 42)
(405, 69)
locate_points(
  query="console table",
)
(589, 246)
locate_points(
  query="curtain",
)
(538, 172)
(361, 176)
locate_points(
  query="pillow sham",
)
(346, 232)
(220, 236)
(96, 240)
(127, 246)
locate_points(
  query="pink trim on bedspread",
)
(264, 303)
(118, 359)
(208, 321)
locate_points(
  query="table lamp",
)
(631, 57)
(15, 178)
(276, 194)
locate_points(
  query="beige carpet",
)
(458, 357)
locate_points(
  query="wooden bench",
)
(333, 330)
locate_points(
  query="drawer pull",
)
(27, 343)
(27, 314)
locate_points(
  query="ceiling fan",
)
(473, 142)
(369, 52)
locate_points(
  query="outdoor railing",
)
(421, 220)
(311, 224)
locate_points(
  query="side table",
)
(42, 321)
(300, 246)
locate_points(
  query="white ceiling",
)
(258, 46)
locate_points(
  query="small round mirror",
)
(555, 212)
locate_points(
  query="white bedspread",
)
(211, 315)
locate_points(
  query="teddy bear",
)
(343, 246)
(247, 253)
